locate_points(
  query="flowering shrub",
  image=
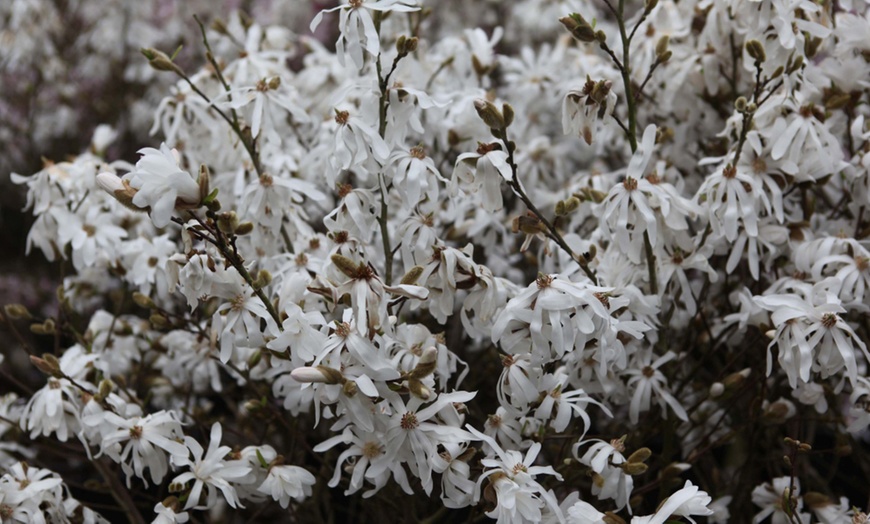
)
(600, 262)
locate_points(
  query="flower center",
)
(343, 330)
(829, 320)
(648, 371)
(630, 184)
(409, 421)
(520, 468)
(371, 450)
(543, 281)
(341, 117)
(136, 432)
(418, 152)
(238, 302)
(355, 4)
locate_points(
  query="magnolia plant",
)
(589, 262)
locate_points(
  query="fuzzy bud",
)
(649, 5)
(412, 276)
(418, 389)
(228, 222)
(662, 46)
(612, 518)
(740, 104)
(160, 60)
(17, 311)
(204, 182)
(640, 455)
(717, 389)
(634, 468)
(143, 300)
(264, 278)
(426, 365)
(756, 51)
(244, 228)
(508, 112)
(345, 265)
(50, 368)
(490, 114)
(579, 27)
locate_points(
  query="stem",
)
(551, 232)
(650, 264)
(119, 493)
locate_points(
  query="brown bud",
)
(160, 60)
(228, 222)
(755, 50)
(143, 300)
(490, 114)
(579, 27)
(640, 455)
(412, 276)
(17, 311)
(662, 45)
(634, 468)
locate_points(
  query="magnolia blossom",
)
(209, 471)
(286, 482)
(162, 184)
(357, 28)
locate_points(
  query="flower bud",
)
(264, 278)
(204, 183)
(160, 61)
(143, 300)
(244, 228)
(649, 5)
(412, 276)
(578, 27)
(612, 518)
(17, 311)
(418, 389)
(345, 265)
(228, 222)
(426, 365)
(717, 389)
(255, 359)
(755, 50)
(508, 112)
(274, 83)
(158, 321)
(634, 468)
(740, 104)
(490, 114)
(317, 375)
(50, 368)
(640, 455)
(662, 45)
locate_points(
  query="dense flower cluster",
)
(590, 265)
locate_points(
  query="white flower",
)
(605, 460)
(162, 184)
(286, 482)
(688, 501)
(650, 382)
(145, 443)
(770, 498)
(357, 28)
(210, 471)
(483, 172)
(169, 514)
(520, 498)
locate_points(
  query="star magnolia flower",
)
(520, 498)
(209, 470)
(286, 482)
(686, 502)
(162, 184)
(357, 28)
